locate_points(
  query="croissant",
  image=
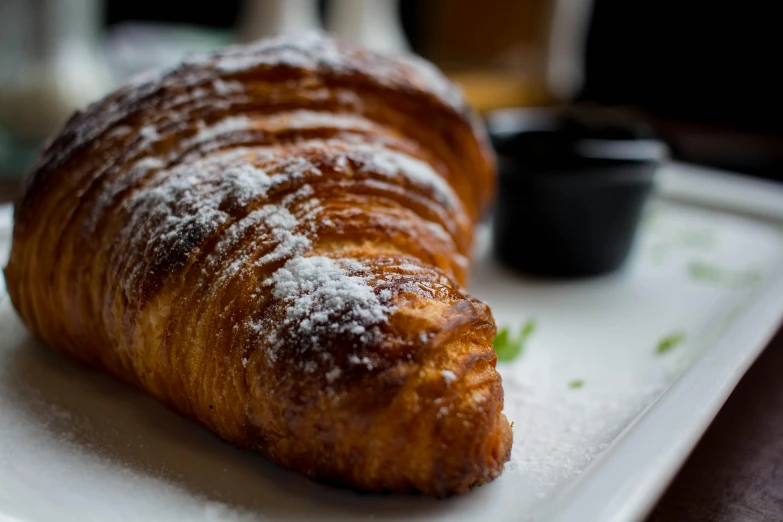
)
(272, 241)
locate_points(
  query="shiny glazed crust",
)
(272, 240)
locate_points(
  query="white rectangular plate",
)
(78, 446)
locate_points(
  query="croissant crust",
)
(272, 240)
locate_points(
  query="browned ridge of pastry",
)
(273, 241)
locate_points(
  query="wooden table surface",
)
(736, 471)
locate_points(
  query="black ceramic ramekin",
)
(572, 188)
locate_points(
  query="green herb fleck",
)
(576, 383)
(704, 272)
(508, 348)
(669, 342)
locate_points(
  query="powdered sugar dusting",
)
(304, 51)
(392, 163)
(208, 133)
(306, 119)
(325, 301)
(275, 225)
(149, 134)
(208, 81)
(249, 182)
(448, 376)
(438, 231)
(380, 160)
(224, 88)
(195, 198)
(325, 296)
(183, 205)
(289, 243)
(318, 52)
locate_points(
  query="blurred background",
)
(703, 74)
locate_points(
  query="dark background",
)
(708, 72)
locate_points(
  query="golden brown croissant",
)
(271, 240)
